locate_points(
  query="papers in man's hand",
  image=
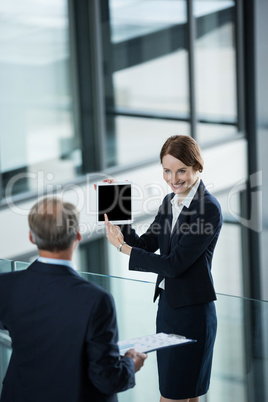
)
(149, 343)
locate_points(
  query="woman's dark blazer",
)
(185, 255)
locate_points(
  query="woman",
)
(186, 230)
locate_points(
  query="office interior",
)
(91, 90)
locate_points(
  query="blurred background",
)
(91, 89)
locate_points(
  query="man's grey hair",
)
(53, 224)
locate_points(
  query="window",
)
(215, 70)
(39, 143)
(146, 77)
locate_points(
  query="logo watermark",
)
(254, 222)
(146, 200)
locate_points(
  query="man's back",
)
(64, 337)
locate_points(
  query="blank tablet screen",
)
(115, 201)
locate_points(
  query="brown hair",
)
(185, 149)
(53, 224)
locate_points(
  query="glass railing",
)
(240, 364)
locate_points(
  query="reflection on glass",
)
(36, 110)
(134, 18)
(215, 66)
(159, 79)
(156, 85)
(228, 277)
(208, 133)
(148, 73)
(141, 138)
(228, 380)
(5, 266)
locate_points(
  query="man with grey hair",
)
(63, 328)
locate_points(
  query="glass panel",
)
(159, 85)
(91, 255)
(215, 66)
(147, 73)
(229, 359)
(134, 18)
(8, 265)
(159, 82)
(228, 277)
(5, 266)
(241, 351)
(208, 133)
(39, 144)
(230, 204)
(21, 265)
(135, 317)
(141, 138)
(241, 357)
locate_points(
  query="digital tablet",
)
(114, 199)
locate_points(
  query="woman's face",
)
(178, 176)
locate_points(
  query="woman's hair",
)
(185, 149)
(54, 224)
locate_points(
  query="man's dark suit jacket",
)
(64, 338)
(185, 254)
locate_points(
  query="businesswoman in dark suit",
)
(186, 230)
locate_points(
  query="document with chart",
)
(149, 343)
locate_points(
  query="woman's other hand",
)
(105, 181)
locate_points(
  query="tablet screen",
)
(114, 199)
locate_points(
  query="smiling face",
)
(178, 176)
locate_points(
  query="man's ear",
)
(78, 236)
(31, 237)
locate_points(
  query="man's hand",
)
(137, 357)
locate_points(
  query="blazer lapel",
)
(167, 226)
(196, 205)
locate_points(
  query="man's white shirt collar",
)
(56, 261)
(187, 200)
